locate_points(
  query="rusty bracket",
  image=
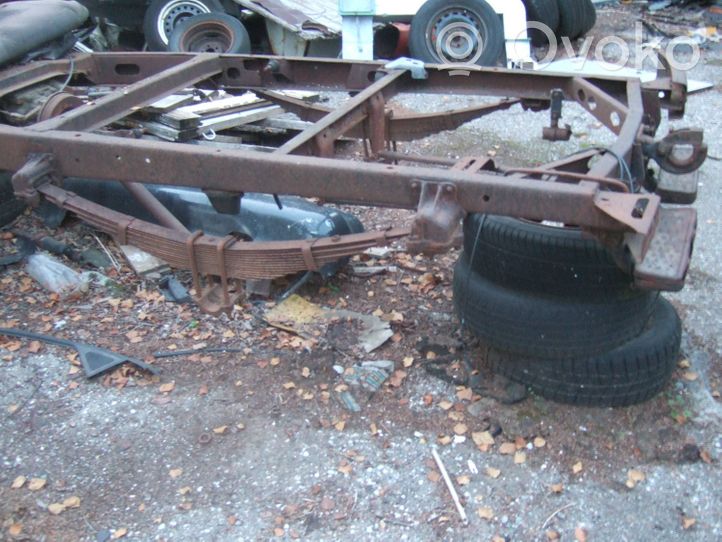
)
(556, 132)
(681, 151)
(437, 219)
(38, 170)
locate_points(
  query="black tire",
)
(589, 16)
(571, 18)
(546, 326)
(210, 33)
(162, 16)
(545, 12)
(631, 373)
(536, 258)
(436, 17)
(10, 206)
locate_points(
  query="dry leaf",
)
(408, 362)
(445, 405)
(465, 394)
(684, 364)
(482, 438)
(460, 428)
(690, 376)
(552, 535)
(636, 475)
(36, 484)
(34, 347)
(175, 473)
(374, 430)
(56, 508)
(520, 458)
(557, 488)
(577, 468)
(345, 467)
(539, 442)
(15, 529)
(289, 385)
(203, 390)
(240, 426)
(688, 523)
(119, 533)
(507, 448)
(463, 480)
(433, 476)
(492, 472)
(580, 534)
(232, 520)
(72, 502)
(278, 531)
(706, 457)
(220, 430)
(18, 482)
(12, 409)
(305, 372)
(485, 513)
(340, 426)
(167, 387)
(184, 490)
(444, 440)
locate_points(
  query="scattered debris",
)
(55, 276)
(308, 320)
(95, 360)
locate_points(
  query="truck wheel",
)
(457, 32)
(631, 373)
(545, 12)
(546, 326)
(162, 16)
(210, 33)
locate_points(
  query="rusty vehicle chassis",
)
(589, 189)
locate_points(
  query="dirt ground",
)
(256, 445)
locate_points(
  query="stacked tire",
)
(559, 315)
(564, 18)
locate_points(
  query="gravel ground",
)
(254, 446)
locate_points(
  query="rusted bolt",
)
(336, 238)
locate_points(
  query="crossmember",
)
(597, 190)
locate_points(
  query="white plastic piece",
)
(55, 276)
(358, 38)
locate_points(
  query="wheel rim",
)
(455, 35)
(175, 12)
(208, 37)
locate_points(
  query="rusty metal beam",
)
(109, 158)
(334, 125)
(137, 95)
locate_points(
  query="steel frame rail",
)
(586, 189)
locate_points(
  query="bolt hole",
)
(486, 198)
(127, 69)
(233, 73)
(582, 95)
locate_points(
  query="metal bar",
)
(119, 104)
(151, 204)
(336, 124)
(109, 158)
